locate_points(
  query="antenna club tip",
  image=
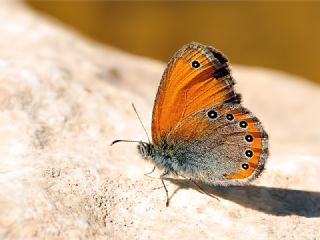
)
(113, 142)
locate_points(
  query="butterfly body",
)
(200, 130)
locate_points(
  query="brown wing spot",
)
(222, 72)
(218, 55)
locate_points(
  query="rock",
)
(64, 99)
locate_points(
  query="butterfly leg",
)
(147, 174)
(165, 188)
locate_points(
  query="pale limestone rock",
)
(63, 99)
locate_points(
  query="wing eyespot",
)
(212, 114)
(243, 124)
(230, 117)
(195, 64)
(249, 153)
(245, 166)
(249, 138)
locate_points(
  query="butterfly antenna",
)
(121, 140)
(135, 110)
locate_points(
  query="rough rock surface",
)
(63, 99)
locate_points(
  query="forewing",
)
(187, 87)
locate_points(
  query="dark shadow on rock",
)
(275, 201)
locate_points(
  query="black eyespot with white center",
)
(195, 64)
(245, 166)
(249, 138)
(212, 114)
(243, 124)
(249, 153)
(230, 117)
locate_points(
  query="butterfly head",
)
(146, 150)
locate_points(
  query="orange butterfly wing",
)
(186, 88)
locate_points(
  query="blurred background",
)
(278, 35)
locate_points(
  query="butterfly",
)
(200, 130)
